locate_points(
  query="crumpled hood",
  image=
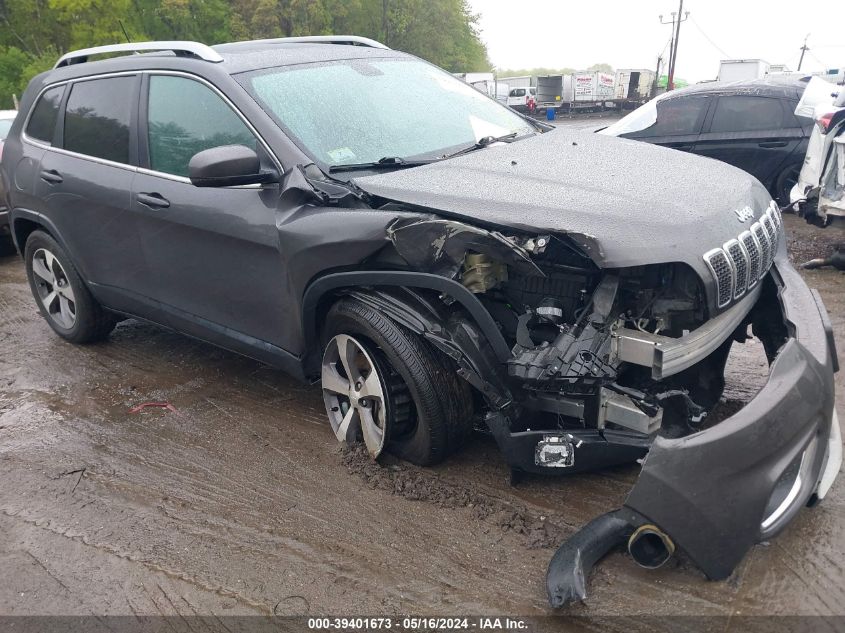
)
(627, 203)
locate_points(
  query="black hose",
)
(566, 579)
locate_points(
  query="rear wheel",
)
(785, 182)
(62, 297)
(388, 386)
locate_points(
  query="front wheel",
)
(63, 299)
(386, 385)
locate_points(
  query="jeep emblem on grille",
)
(744, 214)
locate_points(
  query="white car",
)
(824, 105)
(518, 98)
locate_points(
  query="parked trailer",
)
(634, 87)
(524, 81)
(742, 69)
(553, 91)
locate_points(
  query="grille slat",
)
(742, 262)
(720, 266)
(763, 239)
(755, 260)
(740, 265)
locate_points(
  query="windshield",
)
(640, 119)
(362, 110)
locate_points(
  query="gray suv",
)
(358, 217)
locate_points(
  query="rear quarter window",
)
(97, 118)
(42, 122)
(678, 116)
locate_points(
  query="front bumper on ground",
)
(717, 492)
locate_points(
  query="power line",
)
(706, 37)
(816, 58)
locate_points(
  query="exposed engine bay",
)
(588, 346)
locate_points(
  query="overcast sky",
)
(628, 34)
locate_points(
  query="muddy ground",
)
(242, 502)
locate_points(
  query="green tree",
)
(33, 33)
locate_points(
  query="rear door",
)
(213, 252)
(85, 181)
(754, 133)
(679, 122)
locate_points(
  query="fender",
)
(42, 220)
(357, 280)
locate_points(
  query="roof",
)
(772, 86)
(245, 56)
(232, 58)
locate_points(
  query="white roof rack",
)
(351, 40)
(189, 49)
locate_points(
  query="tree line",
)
(540, 71)
(34, 33)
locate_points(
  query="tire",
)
(429, 407)
(89, 322)
(784, 183)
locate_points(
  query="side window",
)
(42, 123)
(678, 116)
(97, 118)
(747, 114)
(186, 117)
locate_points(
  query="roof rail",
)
(184, 49)
(350, 40)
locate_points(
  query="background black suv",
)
(748, 124)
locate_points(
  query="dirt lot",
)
(242, 502)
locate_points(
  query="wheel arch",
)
(24, 222)
(399, 293)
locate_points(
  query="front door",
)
(213, 252)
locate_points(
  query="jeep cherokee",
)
(354, 215)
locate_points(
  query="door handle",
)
(772, 144)
(51, 176)
(153, 200)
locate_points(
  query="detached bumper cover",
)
(720, 491)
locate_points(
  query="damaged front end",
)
(609, 366)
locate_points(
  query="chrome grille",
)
(740, 263)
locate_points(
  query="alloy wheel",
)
(54, 290)
(353, 393)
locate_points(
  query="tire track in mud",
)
(172, 573)
(537, 530)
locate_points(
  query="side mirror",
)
(227, 166)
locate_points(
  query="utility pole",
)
(677, 18)
(654, 85)
(804, 49)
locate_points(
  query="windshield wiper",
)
(481, 144)
(383, 163)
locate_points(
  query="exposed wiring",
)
(817, 59)
(716, 46)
